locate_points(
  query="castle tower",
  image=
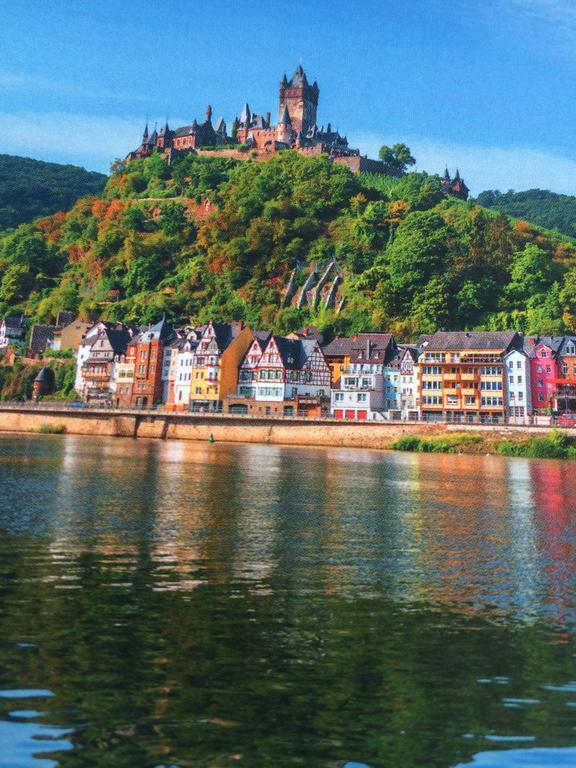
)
(284, 128)
(300, 99)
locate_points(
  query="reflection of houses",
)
(12, 330)
(282, 376)
(360, 392)
(462, 375)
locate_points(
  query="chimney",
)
(268, 117)
(367, 349)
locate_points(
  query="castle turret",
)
(301, 100)
(245, 115)
(284, 130)
(208, 114)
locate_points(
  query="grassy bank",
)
(554, 445)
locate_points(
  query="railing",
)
(162, 410)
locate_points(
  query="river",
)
(182, 604)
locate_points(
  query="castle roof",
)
(298, 78)
(285, 117)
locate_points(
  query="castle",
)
(297, 129)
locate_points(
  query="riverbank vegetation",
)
(412, 260)
(553, 445)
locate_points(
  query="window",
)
(362, 397)
(540, 383)
(539, 369)
(564, 369)
(470, 400)
(540, 397)
(521, 396)
(543, 353)
(548, 369)
(511, 364)
(518, 364)
(339, 396)
(519, 379)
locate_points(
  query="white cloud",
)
(73, 136)
(485, 167)
(20, 81)
(549, 25)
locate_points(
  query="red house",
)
(146, 353)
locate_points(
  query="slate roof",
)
(162, 331)
(292, 352)
(262, 337)
(45, 376)
(381, 345)
(15, 321)
(64, 318)
(40, 335)
(464, 340)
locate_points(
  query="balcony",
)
(469, 376)
(471, 391)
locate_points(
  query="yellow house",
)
(71, 335)
(215, 364)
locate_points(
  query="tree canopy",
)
(412, 260)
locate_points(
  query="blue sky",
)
(485, 85)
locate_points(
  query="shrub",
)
(51, 429)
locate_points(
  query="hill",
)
(538, 206)
(294, 240)
(31, 188)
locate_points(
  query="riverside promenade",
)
(161, 424)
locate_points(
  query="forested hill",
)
(221, 239)
(538, 206)
(31, 188)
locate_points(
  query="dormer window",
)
(543, 353)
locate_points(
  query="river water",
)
(182, 604)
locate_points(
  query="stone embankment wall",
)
(114, 423)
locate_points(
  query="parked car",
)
(566, 420)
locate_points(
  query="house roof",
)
(161, 331)
(39, 338)
(374, 347)
(15, 321)
(464, 340)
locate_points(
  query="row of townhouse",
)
(448, 376)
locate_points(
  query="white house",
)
(360, 393)
(518, 386)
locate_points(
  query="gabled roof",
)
(292, 353)
(39, 338)
(565, 341)
(162, 331)
(380, 344)
(118, 340)
(262, 337)
(468, 340)
(553, 342)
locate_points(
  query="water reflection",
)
(195, 604)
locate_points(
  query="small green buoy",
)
(211, 438)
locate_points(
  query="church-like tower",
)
(301, 101)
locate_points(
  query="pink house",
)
(543, 352)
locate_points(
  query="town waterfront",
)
(173, 603)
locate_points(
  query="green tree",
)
(398, 158)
